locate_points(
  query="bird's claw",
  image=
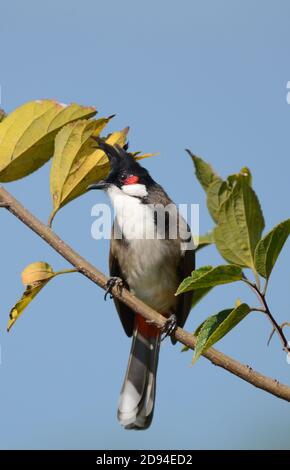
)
(112, 282)
(169, 326)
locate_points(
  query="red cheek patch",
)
(132, 179)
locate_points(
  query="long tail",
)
(136, 404)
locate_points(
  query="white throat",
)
(137, 190)
(135, 219)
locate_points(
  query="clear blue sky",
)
(208, 75)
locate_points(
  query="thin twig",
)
(286, 323)
(266, 310)
(276, 326)
(216, 357)
(271, 336)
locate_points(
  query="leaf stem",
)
(258, 309)
(66, 271)
(51, 217)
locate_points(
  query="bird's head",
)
(126, 173)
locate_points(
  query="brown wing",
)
(127, 316)
(186, 266)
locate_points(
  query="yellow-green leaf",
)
(139, 156)
(216, 194)
(19, 307)
(100, 125)
(240, 225)
(72, 145)
(34, 277)
(27, 135)
(36, 272)
(217, 326)
(269, 248)
(77, 162)
(218, 191)
(238, 302)
(198, 294)
(244, 173)
(203, 170)
(208, 276)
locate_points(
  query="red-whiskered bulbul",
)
(150, 267)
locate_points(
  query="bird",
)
(150, 262)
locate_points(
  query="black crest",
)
(123, 165)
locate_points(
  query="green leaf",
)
(27, 135)
(35, 276)
(205, 240)
(269, 248)
(197, 296)
(240, 225)
(77, 162)
(209, 276)
(217, 192)
(245, 173)
(217, 326)
(203, 170)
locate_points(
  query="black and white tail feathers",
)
(136, 404)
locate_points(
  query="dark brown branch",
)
(217, 358)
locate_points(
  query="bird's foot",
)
(112, 282)
(169, 326)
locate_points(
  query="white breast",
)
(149, 264)
(134, 219)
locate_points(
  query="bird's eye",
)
(132, 179)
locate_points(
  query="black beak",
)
(100, 185)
